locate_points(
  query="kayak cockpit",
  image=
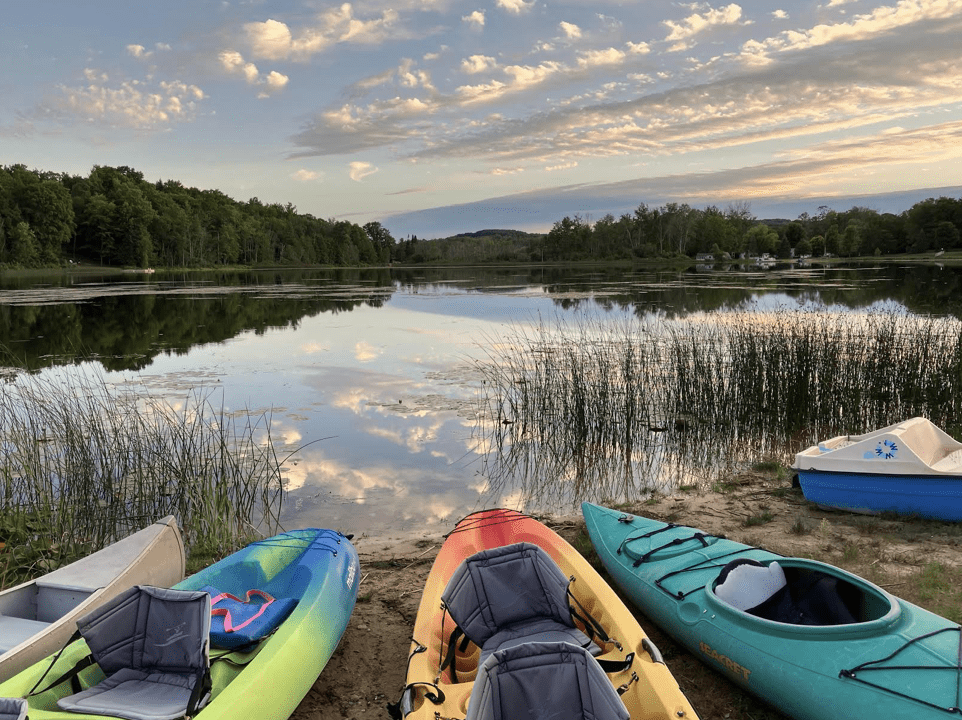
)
(802, 594)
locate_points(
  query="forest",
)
(114, 217)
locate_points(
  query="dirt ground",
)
(367, 670)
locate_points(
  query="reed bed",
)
(600, 410)
(83, 464)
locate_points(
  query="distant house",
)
(704, 257)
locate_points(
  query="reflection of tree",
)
(920, 288)
(126, 331)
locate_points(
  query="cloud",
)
(276, 80)
(780, 15)
(233, 62)
(274, 40)
(696, 24)
(130, 103)
(518, 116)
(514, 6)
(880, 21)
(139, 51)
(477, 64)
(360, 170)
(573, 32)
(594, 58)
(306, 175)
(476, 19)
(563, 166)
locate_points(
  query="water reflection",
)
(371, 377)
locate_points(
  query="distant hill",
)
(516, 234)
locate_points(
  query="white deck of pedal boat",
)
(911, 448)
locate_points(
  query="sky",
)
(439, 116)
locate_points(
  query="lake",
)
(371, 377)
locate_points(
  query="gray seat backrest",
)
(13, 709)
(543, 680)
(153, 646)
(506, 586)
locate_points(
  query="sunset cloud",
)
(476, 19)
(360, 170)
(514, 6)
(274, 40)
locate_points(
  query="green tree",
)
(761, 239)
(832, 240)
(382, 241)
(24, 249)
(818, 245)
(45, 205)
(794, 233)
(849, 243)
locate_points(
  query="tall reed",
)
(608, 410)
(83, 464)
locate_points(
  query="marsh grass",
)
(83, 464)
(596, 408)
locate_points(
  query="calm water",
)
(370, 376)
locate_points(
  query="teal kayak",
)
(814, 641)
(312, 574)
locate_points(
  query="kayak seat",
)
(238, 623)
(745, 584)
(506, 596)
(543, 680)
(13, 709)
(152, 644)
(796, 596)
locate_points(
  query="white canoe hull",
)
(39, 616)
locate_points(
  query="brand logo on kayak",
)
(725, 660)
(351, 572)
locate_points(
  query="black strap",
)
(700, 537)
(628, 538)
(394, 709)
(614, 666)
(456, 634)
(591, 625)
(852, 674)
(202, 687)
(70, 675)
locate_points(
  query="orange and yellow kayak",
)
(647, 687)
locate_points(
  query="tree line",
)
(114, 217)
(679, 230)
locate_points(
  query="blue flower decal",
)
(886, 449)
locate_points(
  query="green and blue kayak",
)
(316, 569)
(877, 657)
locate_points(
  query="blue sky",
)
(433, 116)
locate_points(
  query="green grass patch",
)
(760, 519)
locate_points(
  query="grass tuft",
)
(83, 464)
